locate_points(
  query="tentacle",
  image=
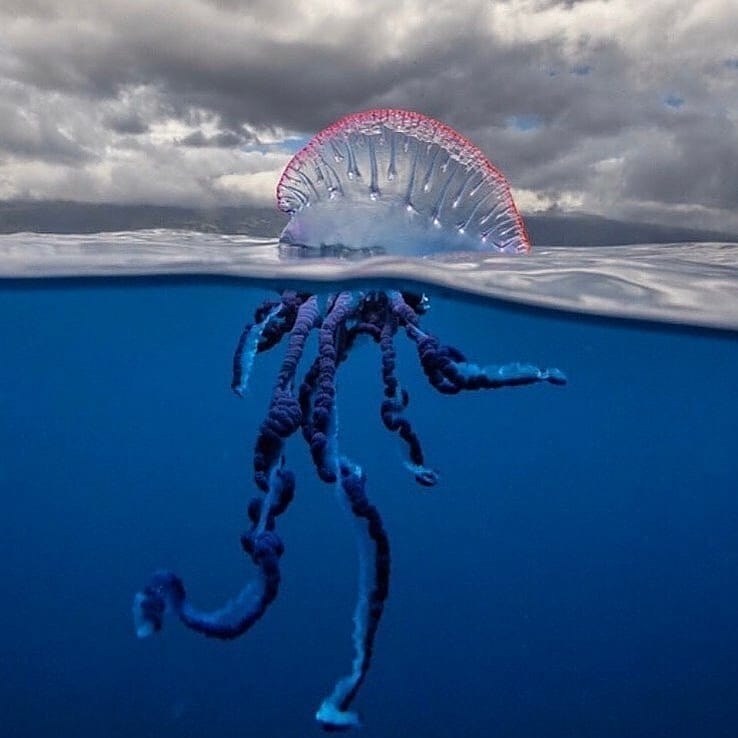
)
(306, 396)
(395, 401)
(317, 395)
(379, 316)
(374, 571)
(330, 350)
(448, 370)
(166, 594)
(272, 320)
(285, 415)
(308, 387)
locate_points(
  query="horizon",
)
(552, 228)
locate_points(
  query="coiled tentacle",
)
(448, 370)
(394, 403)
(323, 415)
(285, 415)
(165, 593)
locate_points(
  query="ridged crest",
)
(400, 182)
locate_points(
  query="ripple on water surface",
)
(686, 283)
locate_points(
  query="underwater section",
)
(572, 573)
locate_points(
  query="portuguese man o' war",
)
(384, 181)
(400, 183)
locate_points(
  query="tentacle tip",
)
(424, 476)
(164, 594)
(238, 389)
(334, 720)
(554, 376)
(146, 620)
(144, 630)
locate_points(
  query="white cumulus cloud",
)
(616, 107)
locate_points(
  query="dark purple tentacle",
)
(448, 370)
(395, 401)
(329, 352)
(309, 383)
(284, 416)
(272, 321)
(165, 593)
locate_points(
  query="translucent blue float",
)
(383, 181)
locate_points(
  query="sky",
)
(621, 108)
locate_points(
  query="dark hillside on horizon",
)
(75, 217)
(573, 229)
(56, 216)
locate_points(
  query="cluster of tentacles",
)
(311, 410)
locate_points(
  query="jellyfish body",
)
(387, 180)
(398, 182)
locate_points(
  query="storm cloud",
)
(615, 107)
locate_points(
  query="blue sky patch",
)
(525, 122)
(674, 101)
(581, 70)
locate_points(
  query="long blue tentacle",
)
(165, 592)
(448, 370)
(272, 321)
(372, 541)
(374, 572)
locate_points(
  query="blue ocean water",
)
(572, 574)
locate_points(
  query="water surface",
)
(693, 283)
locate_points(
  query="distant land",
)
(560, 229)
(56, 216)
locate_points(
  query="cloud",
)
(128, 122)
(221, 139)
(615, 107)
